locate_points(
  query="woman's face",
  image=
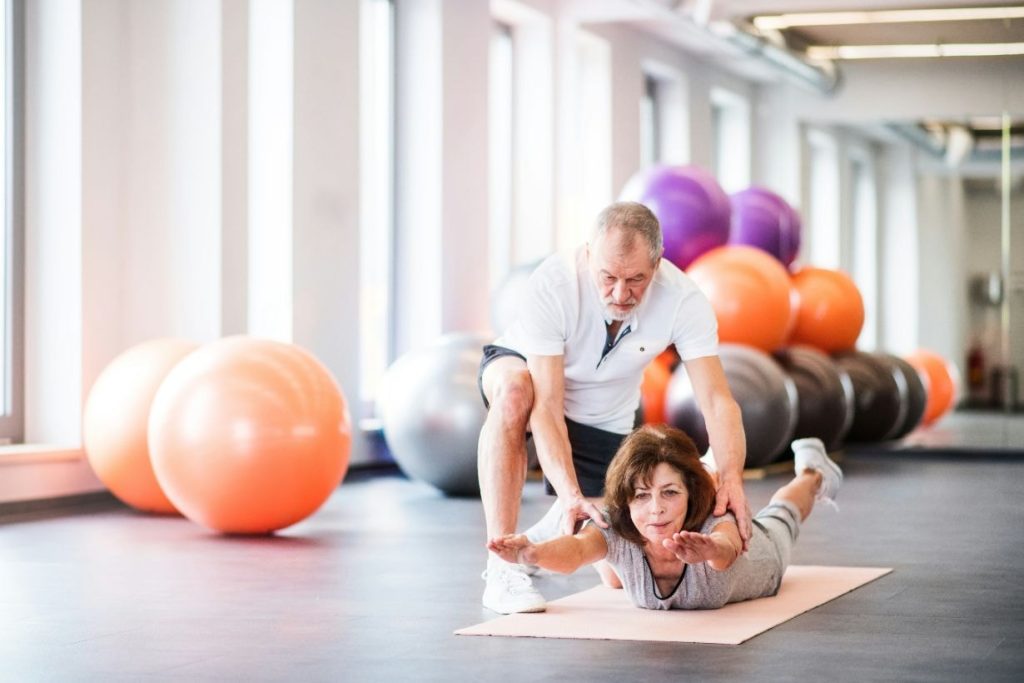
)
(658, 508)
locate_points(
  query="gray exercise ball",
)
(432, 413)
(766, 395)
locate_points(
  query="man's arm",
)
(725, 434)
(547, 422)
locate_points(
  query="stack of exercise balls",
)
(788, 334)
(241, 435)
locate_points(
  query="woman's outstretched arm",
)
(564, 554)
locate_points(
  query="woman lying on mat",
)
(662, 540)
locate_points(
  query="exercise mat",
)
(604, 614)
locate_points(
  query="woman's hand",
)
(513, 548)
(691, 547)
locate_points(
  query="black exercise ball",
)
(825, 392)
(766, 396)
(878, 410)
(913, 395)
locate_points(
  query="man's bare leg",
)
(502, 446)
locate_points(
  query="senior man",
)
(569, 370)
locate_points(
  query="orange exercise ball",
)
(116, 416)
(750, 292)
(829, 310)
(653, 391)
(941, 380)
(249, 436)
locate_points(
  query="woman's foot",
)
(809, 454)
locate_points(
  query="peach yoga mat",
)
(604, 614)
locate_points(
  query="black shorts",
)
(592, 448)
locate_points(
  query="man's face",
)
(622, 271)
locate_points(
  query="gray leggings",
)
(781, 523)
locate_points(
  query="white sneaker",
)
(510, 591)
(809, 454)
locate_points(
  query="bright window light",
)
(730, 125)
(864, 225)
(650, 124)
(376, 192)
(593, 131)
(270, 168)
(823, 200)
(5, 218)
(500, 108)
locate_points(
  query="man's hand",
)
(578, 509)
(730, 496)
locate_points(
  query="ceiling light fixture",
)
(903, 16)
(841, 52)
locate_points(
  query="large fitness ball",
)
(912, 393)
(750, 292)
(878, 408)
(249, 436)
(432, 413)
(763, 219)
(654, 390)
(690, 205)
(766, 396)
(826, 399)
(942, 381)
(115, 419)
(829, 310)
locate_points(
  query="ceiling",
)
(741, 12)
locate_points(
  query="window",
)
(591, 189)
(376, 193)
(664, 119)
(650, 123)
(12, 211)
(500, 112)
(730, 125)
(823, 199)
(864, 225)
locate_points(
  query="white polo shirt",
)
(560, 314)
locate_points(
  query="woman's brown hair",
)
(638, 456)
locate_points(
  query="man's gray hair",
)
(634, 218)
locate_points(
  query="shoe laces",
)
(515, 582)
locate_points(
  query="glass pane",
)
(500, 103)
(5, 164)
(376, 76)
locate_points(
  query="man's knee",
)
(512, 398)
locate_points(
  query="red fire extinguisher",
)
(976, 371)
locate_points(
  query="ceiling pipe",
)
(686, 18)
(821, 77)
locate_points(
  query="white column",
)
(172, 164)
(234, 166)
(104, 120)
(441, 184)
(464, 209)
(325, 215)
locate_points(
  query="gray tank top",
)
(755, 574)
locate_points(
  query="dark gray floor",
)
(371, 587)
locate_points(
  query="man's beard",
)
(616, 314)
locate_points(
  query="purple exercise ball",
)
(690, 205)
(763, 219)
